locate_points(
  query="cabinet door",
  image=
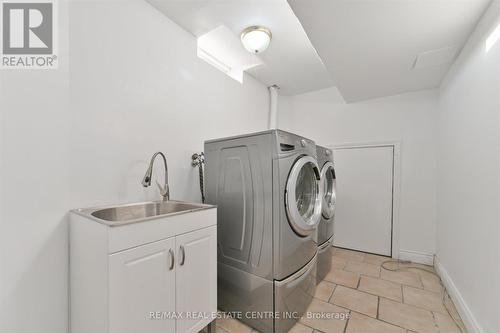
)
(196, 275)
(142, 289)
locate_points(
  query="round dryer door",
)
(329, 184)
(303, 196)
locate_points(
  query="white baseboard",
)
(417, 257)
(468, 318)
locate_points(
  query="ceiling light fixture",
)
(256, 39)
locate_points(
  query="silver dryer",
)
(267, 189)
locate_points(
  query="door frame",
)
(396, 182)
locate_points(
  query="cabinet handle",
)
(172, 260)
(183, 255)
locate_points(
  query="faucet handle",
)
(164, 191)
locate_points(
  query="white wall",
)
(83, 135)
(408, 118)
(137, 86)
(468, 244)
(34, 195)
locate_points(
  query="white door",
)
(363, 218)
(141, 281)
(196, 275)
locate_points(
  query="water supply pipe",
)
(273, 106)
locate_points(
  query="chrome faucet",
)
(146, 181)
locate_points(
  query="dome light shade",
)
(256, 39)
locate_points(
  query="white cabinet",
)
(141, 281)
(196, 276)
(154, 276)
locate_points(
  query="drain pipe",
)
(273, 106)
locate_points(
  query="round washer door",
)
(303, 196)
(329, 184)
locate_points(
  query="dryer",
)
(325, 227)
(267, 189)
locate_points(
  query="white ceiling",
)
(290, 61)
(370, 46)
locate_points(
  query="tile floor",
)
(377, 300)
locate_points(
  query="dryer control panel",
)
(290, 142)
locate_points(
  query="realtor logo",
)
(28, 34)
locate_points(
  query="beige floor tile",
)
(424, 267)
(452, 310)
(299, 328)
(404, 277)
(348, 254)
(355, 300)
(362, 324)
(406, 316)
(375, 259)
(451, 306)
(429, 280)
(324, 290)
(338, 263)
(342, 277)
(335, 324)
(425, 299)
(380, 287)
(445, 323)
(393, 265)
(217, 330)
(363, 268)
(232, 325)
(405, 265)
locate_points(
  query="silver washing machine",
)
(267, 189)
(325, 227)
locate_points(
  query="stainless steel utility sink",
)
(137, 212)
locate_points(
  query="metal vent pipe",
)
(273, 106)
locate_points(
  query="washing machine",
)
(325, 228)
(267, 189)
